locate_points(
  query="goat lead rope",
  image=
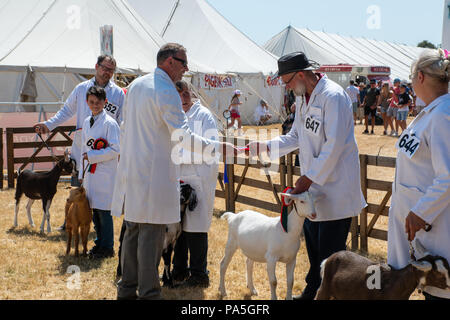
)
(48, 148)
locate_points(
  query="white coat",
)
(76, 105)
(99, 185)
(422, 185)
(200, 173)
(148, 178)
(323, 132)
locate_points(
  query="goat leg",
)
(16, 213)
(49, 227)
(250, 285)
(230, 249)
(69, 238)
(271, 266)
(167, 257)
(290, 267)
(77, 239)
(84, 237)
(30, 218)
(44, 207)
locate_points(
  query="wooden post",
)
(283, 172)
(290, 171)
(354, 233)
(1, 157)
(363, 217)
(10, 156)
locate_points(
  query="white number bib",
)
(313, 126)
(408, 144)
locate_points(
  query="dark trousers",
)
(322, 240)
(197, 245)
(103, 226)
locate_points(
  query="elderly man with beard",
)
(323, 131)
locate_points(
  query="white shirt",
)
(260, 112)
(353, 93)
(76, 105)
(148, 179)
(323, 132)
(201, 175)
(422, 185)
(99, 185)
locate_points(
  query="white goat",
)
(262, 239)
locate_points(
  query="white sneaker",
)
(395, 134)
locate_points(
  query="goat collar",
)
(284, 211)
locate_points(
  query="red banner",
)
(217, 82)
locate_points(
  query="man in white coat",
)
(323, 132)
(76, 105)
(201, 174)
(421, 190)
(147, 182)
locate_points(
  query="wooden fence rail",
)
(38, 146)
(360, 230)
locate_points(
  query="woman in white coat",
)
(201, 173)
(421, 196)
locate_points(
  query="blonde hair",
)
(433, 63)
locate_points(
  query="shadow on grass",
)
(183, 294)
(55, 235)
(83, 262)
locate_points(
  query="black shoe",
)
(180, 276)
(102, 253)
(366, 132)
(94, 250)
(371, 132)
(195, 281)
(303, 296)
(62, 228)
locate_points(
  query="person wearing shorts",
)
(385, 97)
(234, 110)
(371, 101)
(353, 93)
(404, 101)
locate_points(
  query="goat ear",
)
(192, 200)
(66, 155)
(423, 266)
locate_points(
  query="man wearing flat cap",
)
(323, 131)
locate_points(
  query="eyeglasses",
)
(292, 78)
(108, 69)
(183, 62)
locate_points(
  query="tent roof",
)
(328, 48)
(207, 36)
(51, 35)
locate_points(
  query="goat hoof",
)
(254, 292)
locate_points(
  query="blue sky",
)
(407, 22)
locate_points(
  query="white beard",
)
(300, 89)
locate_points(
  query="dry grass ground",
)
(34, 266)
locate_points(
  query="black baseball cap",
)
(293, 62)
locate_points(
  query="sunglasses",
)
(183, 62)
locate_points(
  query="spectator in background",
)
(362, 95)
(393, 106)
(385, 96)
(371, 101)
(353, 93)
(404, 101)
(262, 114)
(234, 109)
(420, 105)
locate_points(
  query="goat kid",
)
(188, 199)
(43, 186)
(262, 239)
(78, 219)
(345, 276)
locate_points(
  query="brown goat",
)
(78, 219)
(347, 276)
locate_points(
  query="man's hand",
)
(256, 148)
(228, 149)
(302, 185)
(41, 128)
(413, 224)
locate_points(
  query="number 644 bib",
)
(408, 144)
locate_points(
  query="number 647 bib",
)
(313, 126)
(408, 144)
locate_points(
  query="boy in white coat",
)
(99, 159)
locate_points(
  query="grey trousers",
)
(141, 254)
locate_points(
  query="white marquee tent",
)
(446, 26)
(60, 39)
(212, 40)
(328, 48)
